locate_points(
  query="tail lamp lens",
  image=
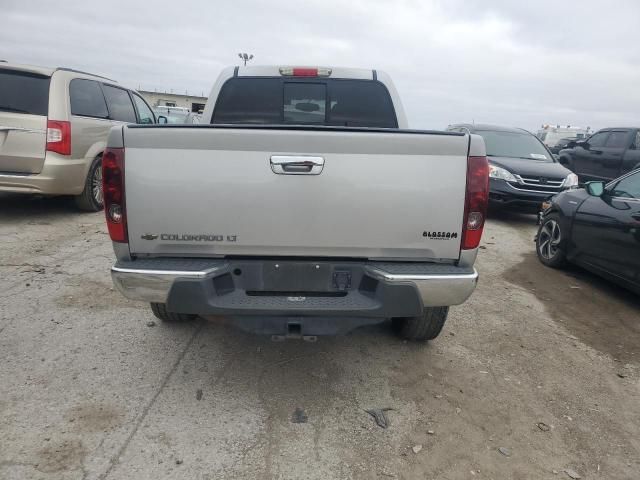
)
(475, 221)
(476, 199)
(59, 137)
(113, 191)
(115, 213)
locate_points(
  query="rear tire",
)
(423, 327)
(91, 198)
(161, 312)
(549, 242)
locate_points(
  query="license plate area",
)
(297, 277)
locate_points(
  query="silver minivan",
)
(54, 124)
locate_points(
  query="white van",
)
(551, 135)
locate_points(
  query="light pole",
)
(245, 57)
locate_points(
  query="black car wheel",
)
(549, 242)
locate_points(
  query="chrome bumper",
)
(151, 285)
(436, 290)
(437, 286)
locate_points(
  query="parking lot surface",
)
(535, 377)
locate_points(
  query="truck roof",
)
(274, 71)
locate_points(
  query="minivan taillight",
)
(113, 191)
(476, 199)
(59, 137)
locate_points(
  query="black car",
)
(522, 170)
(605, 155)
(596, 227)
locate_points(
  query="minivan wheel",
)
(423, 327)
(549, 242)
(161, 312)
(91, 198)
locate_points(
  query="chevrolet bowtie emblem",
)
(149, 236)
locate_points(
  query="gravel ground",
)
(535, 377)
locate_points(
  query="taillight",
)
(304, 72)
(113, 191)
(59, 137)
(476, 199)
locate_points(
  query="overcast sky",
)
(505, 62)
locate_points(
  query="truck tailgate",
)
(212, 191)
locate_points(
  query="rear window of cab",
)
(278, 101)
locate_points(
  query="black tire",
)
(161, 312)
(550, 242)
(91, 199)
(424, 327)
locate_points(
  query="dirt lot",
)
(540, 364)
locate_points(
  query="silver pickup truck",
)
(302, 206)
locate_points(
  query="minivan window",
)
(144, 112)
(24, 92)
(351, 103)
(513, 144)
(119, 103)
(87, 99)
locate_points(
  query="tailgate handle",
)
(296, 165)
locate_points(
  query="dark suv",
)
(522, 170)
(605, 155)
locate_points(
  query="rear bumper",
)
(59, 176)
(290, 288)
